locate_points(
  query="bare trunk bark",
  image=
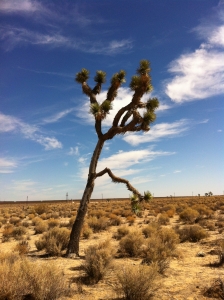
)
(73, 246)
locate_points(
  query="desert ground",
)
(179, 240)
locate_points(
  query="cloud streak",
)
(199, 74)
(7, 165)
(12, 124)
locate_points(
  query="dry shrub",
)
(18, 232)
(191, 233)
(22, 247)
(98, 224)
(163, 219)
(41, 227)
(20, 278)
(53, 223)
(41, 208)
(36, 220)
(121, 232)
(130, 219)
(189, 215)
(131, 243)
(136, 282)
(203, 210)
(97, 261)
(3, 220)
(150, 229)
(7, 232)
(14, 220)
(216, 290)
(114, 219)
(86, 231)
(159, 248)
(54, 241)
(25, 224)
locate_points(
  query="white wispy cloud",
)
(12, 124)
(12, 37)
(159, 131)
(74, 151)
(124, 164)
(7, 165)
(24, 185)
(199, 74)
(58, 116)
(21, 6)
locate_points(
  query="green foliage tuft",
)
(147, 196)
(82, 76)
(100, 77)
(106, 106)
(152, 104)
(135, 82)
(144, 67)
(149, 117)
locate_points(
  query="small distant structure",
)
(67, 196)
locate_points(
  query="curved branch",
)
(120, 180)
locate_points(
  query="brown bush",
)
(159, 248)
(130, 219)
(136, 282)
(53, 223)
(121, 232)
(7, 232)
(21, 278)
(22, 247)
(14, 220)
(150, 229)
(41, 227)
(191, 233)
(86, 231)
(41, 208)
(114, 219)
(98, 224)
(54, 241)
(97, 261)
(163, 219)
(18, 232)
(131, 243)
(189, 215)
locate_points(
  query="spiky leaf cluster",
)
(100, 77)
(100, 111)
(152, 104)
(118, 77)
(135, 206)
(82, 76)
(147, 196)
(144, 67)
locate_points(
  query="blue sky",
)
(47, 134)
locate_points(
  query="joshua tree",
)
(127, 119)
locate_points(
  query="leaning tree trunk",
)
(73, 246)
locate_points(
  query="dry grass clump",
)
(98, 224)
(164, 219)
(41, 208)
(189, 215)
(216, 290)
(22, 247)
(22, 279)
(191, 233)
(18, 232)
(131, 243)
(136, 282)
(121, 232)
(159, 248)
(14, 220)
(54, 241)
(41, 227)
(97, 261)
(86, 231)
(151, 229)
(53, 223)
(114, 219)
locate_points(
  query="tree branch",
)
(120, 180)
